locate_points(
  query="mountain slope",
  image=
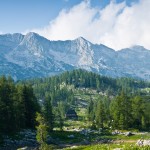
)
(31, 55)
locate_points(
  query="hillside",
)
(82, 79)
(102, 104)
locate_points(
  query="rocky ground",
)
(26, 140)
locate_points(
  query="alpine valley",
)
(31, 55)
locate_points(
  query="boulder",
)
(143, 143)
(146, 143)
(116, 132)
(128, 133)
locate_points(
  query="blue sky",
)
(115, 23)
(22, 15)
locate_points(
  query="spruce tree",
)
(42, 131)
(138, 108)
(121, 111)
(90, 111)
(100, 114)
(48, 115)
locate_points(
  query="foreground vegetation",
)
(18, 106)
(110, 147)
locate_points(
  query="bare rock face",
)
(31, 55)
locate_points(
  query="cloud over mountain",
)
(116, 25)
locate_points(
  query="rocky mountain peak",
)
(82, 41)
(32, 55)
(8, 38)
(31, 36)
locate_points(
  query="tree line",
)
(84, 79)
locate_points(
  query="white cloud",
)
(117, 25)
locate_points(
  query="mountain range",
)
(31, 55)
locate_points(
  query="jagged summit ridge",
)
(32, 55)
(82, 40)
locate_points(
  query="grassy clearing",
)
(94, 139)
(109, 147)
(86, 94)
(64, 136)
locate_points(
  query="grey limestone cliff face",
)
(31, 55)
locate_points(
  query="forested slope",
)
(122, 103)
(123, 100)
